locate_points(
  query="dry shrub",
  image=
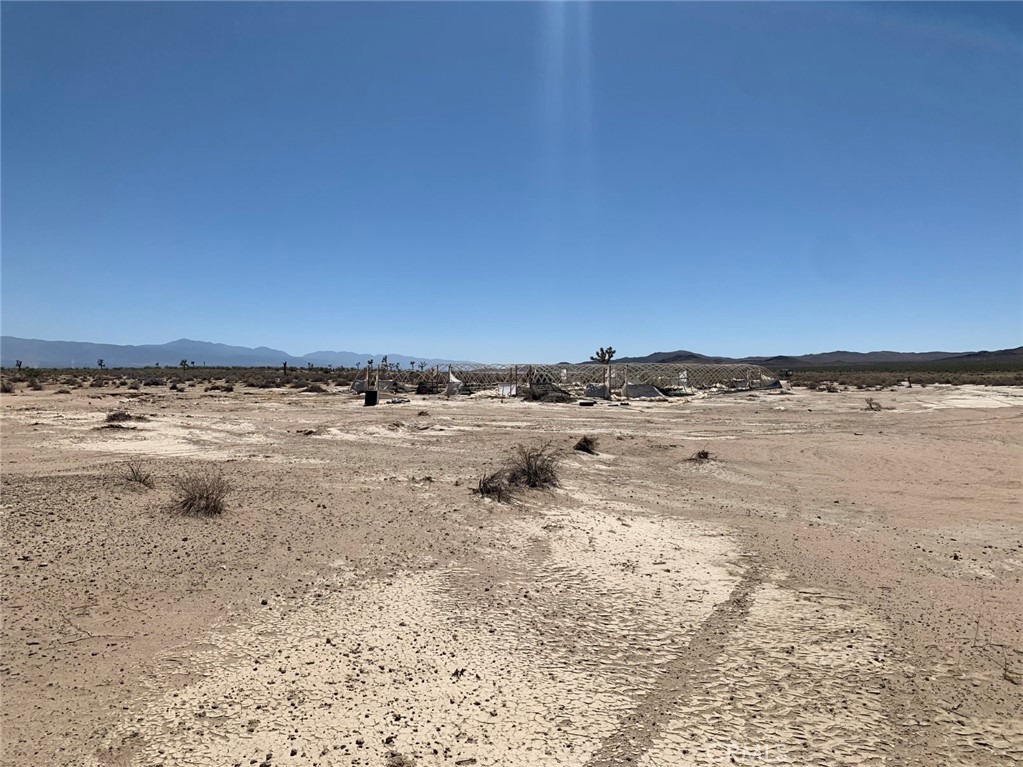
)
(119, 416)
(135, 472)
(702, 455)
(495, 485)
(535, 467)
(201, 492)
(539, 392)
(315, 388)
(6, 387)
(587, 444)
(873, 404)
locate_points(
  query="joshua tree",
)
(422, 366)
(285, 368)
(17, 364)
(100, 364)
(604, 356)
(184, 364)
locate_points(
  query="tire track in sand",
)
(637, 730)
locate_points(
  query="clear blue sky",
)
(515, 181)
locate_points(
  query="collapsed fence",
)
(624, 379)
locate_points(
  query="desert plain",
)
(834, 586)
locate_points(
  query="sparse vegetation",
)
(587, 444)
(136, 473)
(201, 492)
(315, 388)
(985, 373)
(535, 467)
(547, 393)
(6, 387)
(495, 485)
(120, 416)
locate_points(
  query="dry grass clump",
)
(533, 467)
(136, 473)
(587, 444)
(702, 455)
(119, 416)
(873, 404)
(315, 388)
(6, 387)
(548, 393)
(201, 493)
(495, 485)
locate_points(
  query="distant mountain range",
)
(838, 359)
(65, 354)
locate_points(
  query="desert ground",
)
(834, 586)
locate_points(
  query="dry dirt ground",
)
(837, 586)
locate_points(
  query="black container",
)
(371, 397)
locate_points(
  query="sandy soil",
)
(837, 586)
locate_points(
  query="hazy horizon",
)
(404, 354)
